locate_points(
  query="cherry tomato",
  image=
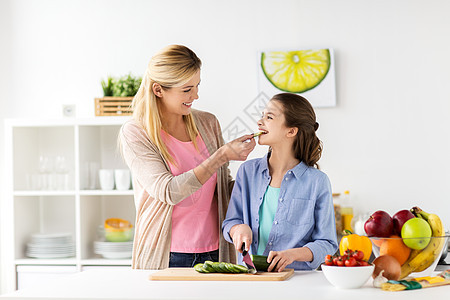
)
(348, 252)
(328, 257)
(335, 261)
(364, 263)
(340, 262)
(358, 255)
(350, 262)
(329, 262)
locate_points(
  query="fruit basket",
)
(415, 238)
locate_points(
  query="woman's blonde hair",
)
(171, 67)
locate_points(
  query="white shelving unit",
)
(61, 208)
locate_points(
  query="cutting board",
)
(189, 274)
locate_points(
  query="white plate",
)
(113, 243)
(51, 246)
(53, 255)
(51, 235)
(114, 247)
(115, 255)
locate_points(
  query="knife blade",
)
(248, 260)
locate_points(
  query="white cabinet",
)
(35, 276)
(52, 187)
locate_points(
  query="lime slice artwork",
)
(296, 71)
(309, 72)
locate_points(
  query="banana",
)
(435, 223)
(438, 231)
(426, 257)
(407, 268)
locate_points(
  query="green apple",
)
(416, 233)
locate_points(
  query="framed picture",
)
(309, 73)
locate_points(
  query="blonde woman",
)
(179, 164)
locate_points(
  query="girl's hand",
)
(239, 148)
(241, 234)
(280, 259)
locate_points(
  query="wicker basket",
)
(113, 106)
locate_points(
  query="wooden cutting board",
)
(189, 274)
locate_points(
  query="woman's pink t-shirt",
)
(195, 220)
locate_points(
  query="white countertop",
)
(134, 284)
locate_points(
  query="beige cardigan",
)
(156, 191)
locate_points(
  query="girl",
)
(281, 205)
(179, 165)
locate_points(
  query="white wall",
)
(5, 94)
(386, 140)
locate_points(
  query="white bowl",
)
(347, 277)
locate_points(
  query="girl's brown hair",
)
(299, 113)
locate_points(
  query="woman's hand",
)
(280, 259)
(241, 234)
(239, 148)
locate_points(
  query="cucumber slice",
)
(199, 268)
(218, 267)
(208, 267)
(231, 268)
(241, 269)
(224, 268)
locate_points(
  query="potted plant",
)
(118, 92)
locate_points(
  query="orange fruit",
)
(395, 247)
(377, 242)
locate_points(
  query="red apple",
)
(379, 224)
(400, 218)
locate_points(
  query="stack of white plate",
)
(113, 250)
(54, 245)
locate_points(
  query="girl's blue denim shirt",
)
(305, 213)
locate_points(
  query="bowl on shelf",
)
(415, 262)
(347, 277)
(118, 230)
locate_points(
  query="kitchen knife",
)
(248, 260)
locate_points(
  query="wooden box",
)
(113, 106)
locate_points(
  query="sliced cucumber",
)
(231, 268)
(224, 267)
(241, 269)
(218, 268)
(209, 267)
(199, 268)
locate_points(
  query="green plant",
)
(107, 87)
(125, 86)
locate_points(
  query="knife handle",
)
(244, 252)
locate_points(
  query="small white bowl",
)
(347, 277)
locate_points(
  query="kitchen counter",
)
(134, 284)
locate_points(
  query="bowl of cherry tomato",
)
(348, 271)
